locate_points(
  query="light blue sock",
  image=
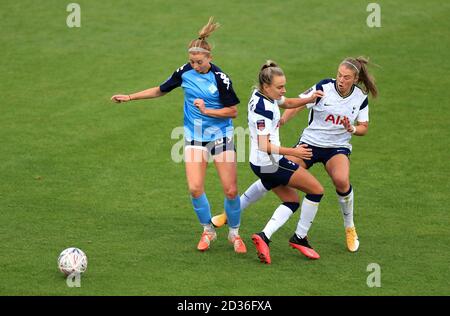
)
(201, 207)
(233, 210)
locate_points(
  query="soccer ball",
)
(72, 260)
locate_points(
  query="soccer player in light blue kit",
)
(209, 105)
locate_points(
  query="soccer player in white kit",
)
(277, 173)
(333, 119)
(342, 112)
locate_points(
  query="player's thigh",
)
(338, 168)
(297, 160)
(286, 194)
(305, 182)
(196, 161)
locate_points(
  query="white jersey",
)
(326, 115)
(263, 119)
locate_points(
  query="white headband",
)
(198, 50)
(347, 62)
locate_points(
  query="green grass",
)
(80, 171)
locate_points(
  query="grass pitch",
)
(78, 170)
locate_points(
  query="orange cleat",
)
(352, 239)
(302, 245)
(238, 243)
(262, 247)
(205, 240)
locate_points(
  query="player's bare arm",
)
(301, 151)
(301, 103)
(151, 93)
(360, 129)
(290, 113)
(230, 111)
(295, 105)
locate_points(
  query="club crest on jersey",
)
(212, 88)
(335, 120)
(261, 124)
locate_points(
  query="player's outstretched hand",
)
(303, 152)
(316, 94)
(118, 98)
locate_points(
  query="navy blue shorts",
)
(322, 155)
(276, 174)
(214, 147)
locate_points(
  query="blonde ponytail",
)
(200, 44)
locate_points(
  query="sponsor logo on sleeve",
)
(224, 78)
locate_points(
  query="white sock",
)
(234, 232)
(309, 211)
(209, 228)
(279, 217)
(346, 203)
(252, 194)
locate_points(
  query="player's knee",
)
(196, 191)
(342, 184)
(230, 192)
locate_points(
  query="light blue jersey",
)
(215, 88)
